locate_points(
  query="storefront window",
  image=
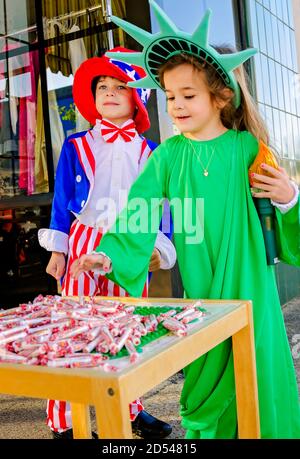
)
(18, 73)
(42, 43)
(36, 104)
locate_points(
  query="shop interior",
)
(42, 43)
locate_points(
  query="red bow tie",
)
(110, 132)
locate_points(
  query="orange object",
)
(266, 156)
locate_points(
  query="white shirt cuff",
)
(284, 208)
(167, 251)
(54, 240)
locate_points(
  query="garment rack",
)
(61, 17)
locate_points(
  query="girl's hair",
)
(244, 118)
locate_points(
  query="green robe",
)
(229, 263)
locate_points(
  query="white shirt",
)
(116, 168)
(117, 165)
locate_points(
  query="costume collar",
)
(110, 132)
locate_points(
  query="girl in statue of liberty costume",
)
(221, 135)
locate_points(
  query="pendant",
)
(205, 172)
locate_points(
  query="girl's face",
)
(114, 100)
(190, 104)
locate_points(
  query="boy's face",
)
(114, 100)
(190, 104)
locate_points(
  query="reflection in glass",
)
(293, 51)
(279, 9)
(253, 21)
(288, 50)
(266, 79)
(261, 28)
(273, 84)
(278, 69)
(286, 88)
(270, 43)
(277, 131)
(275, 38)
(284, 135)
(262, 108)
(297, 143)
(259, 78)
(292, 89)
(290, 137)
(269, 122)
(290, 14)
(282, 43)
(285, 15)
(296, 134)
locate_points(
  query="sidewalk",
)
(21, 417)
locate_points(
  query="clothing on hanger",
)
(27, 127)
(77, 54)
(40, 164)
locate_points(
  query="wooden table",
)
(110, 393)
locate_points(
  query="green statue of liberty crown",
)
(159, 47)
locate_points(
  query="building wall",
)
(296, 18)
(276, 70)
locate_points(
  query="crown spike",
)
(234, 60)
(143, 83)
(128, 58)
(200, 35)
(159, 47)
(165, 23)
(141, 36)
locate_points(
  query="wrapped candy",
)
(184, 313)
(61, 332)
(11, 338)
(175, 326)
(92, 344)
(191, 317)
(133, 354)
(117, 345)
(106, 335)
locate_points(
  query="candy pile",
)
(61, 332)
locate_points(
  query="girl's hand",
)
(89, 263)
(155, 261)
(56, 266)
(278, 187)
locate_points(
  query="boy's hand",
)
(89, 263)
(277, 187)
(56, 265)
(155, 261)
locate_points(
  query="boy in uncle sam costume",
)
(95, 172)
(221, 135)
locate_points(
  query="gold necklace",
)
(205, 169)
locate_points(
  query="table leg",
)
(112, 413)
(245, 380)
(81, 420)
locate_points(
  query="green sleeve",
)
(250, 147)
(288, 235)
(130, 241)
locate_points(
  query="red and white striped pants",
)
(84, 239)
